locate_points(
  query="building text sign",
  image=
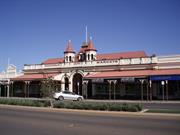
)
(128, 79)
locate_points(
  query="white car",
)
(67, 95)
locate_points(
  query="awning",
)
(165, 77)
(30, 77)
(133, 73)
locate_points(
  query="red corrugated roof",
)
(54, 61)
(134, 73)
(29, 77)
(109, 56)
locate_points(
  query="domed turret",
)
(91, 51)
(69, 54)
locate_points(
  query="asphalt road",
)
(18, 121)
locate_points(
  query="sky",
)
(32, 31)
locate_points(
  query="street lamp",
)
(150, 85)
(162, 83)
(141, 80)
(78, 87)
(166, 89)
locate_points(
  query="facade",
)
(124, 75)
(11, 72)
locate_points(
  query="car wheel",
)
(79, 99)
(61, 98)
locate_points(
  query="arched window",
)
(70, 59)
(77, 83)
(66, 58)
(66, 83)
(92, 57)
(88, 56)
(84, 56)
(80, 57)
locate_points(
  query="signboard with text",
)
(128, 79)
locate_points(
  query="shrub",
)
(84, 105)
(87, 105)
(25, 102)
(115, 107)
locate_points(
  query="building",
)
(11, 72)
(124, 75)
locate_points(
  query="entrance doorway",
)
(3, 91)
(77, 83)
(66, 83)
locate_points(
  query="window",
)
(66, 58)
(88, 56)
(66, 83)
(84, 56)
(92, 57)
(70, 59)
(81, 57)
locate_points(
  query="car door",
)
(71, 96)
(65, 95)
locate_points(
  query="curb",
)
(143, 111)
(89, 112)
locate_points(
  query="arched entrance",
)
(66, 83)
(77, 83)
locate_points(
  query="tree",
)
(48, 87)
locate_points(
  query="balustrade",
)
(127, 61)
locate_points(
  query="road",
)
(32, 121)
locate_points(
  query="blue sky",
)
(32, 31)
